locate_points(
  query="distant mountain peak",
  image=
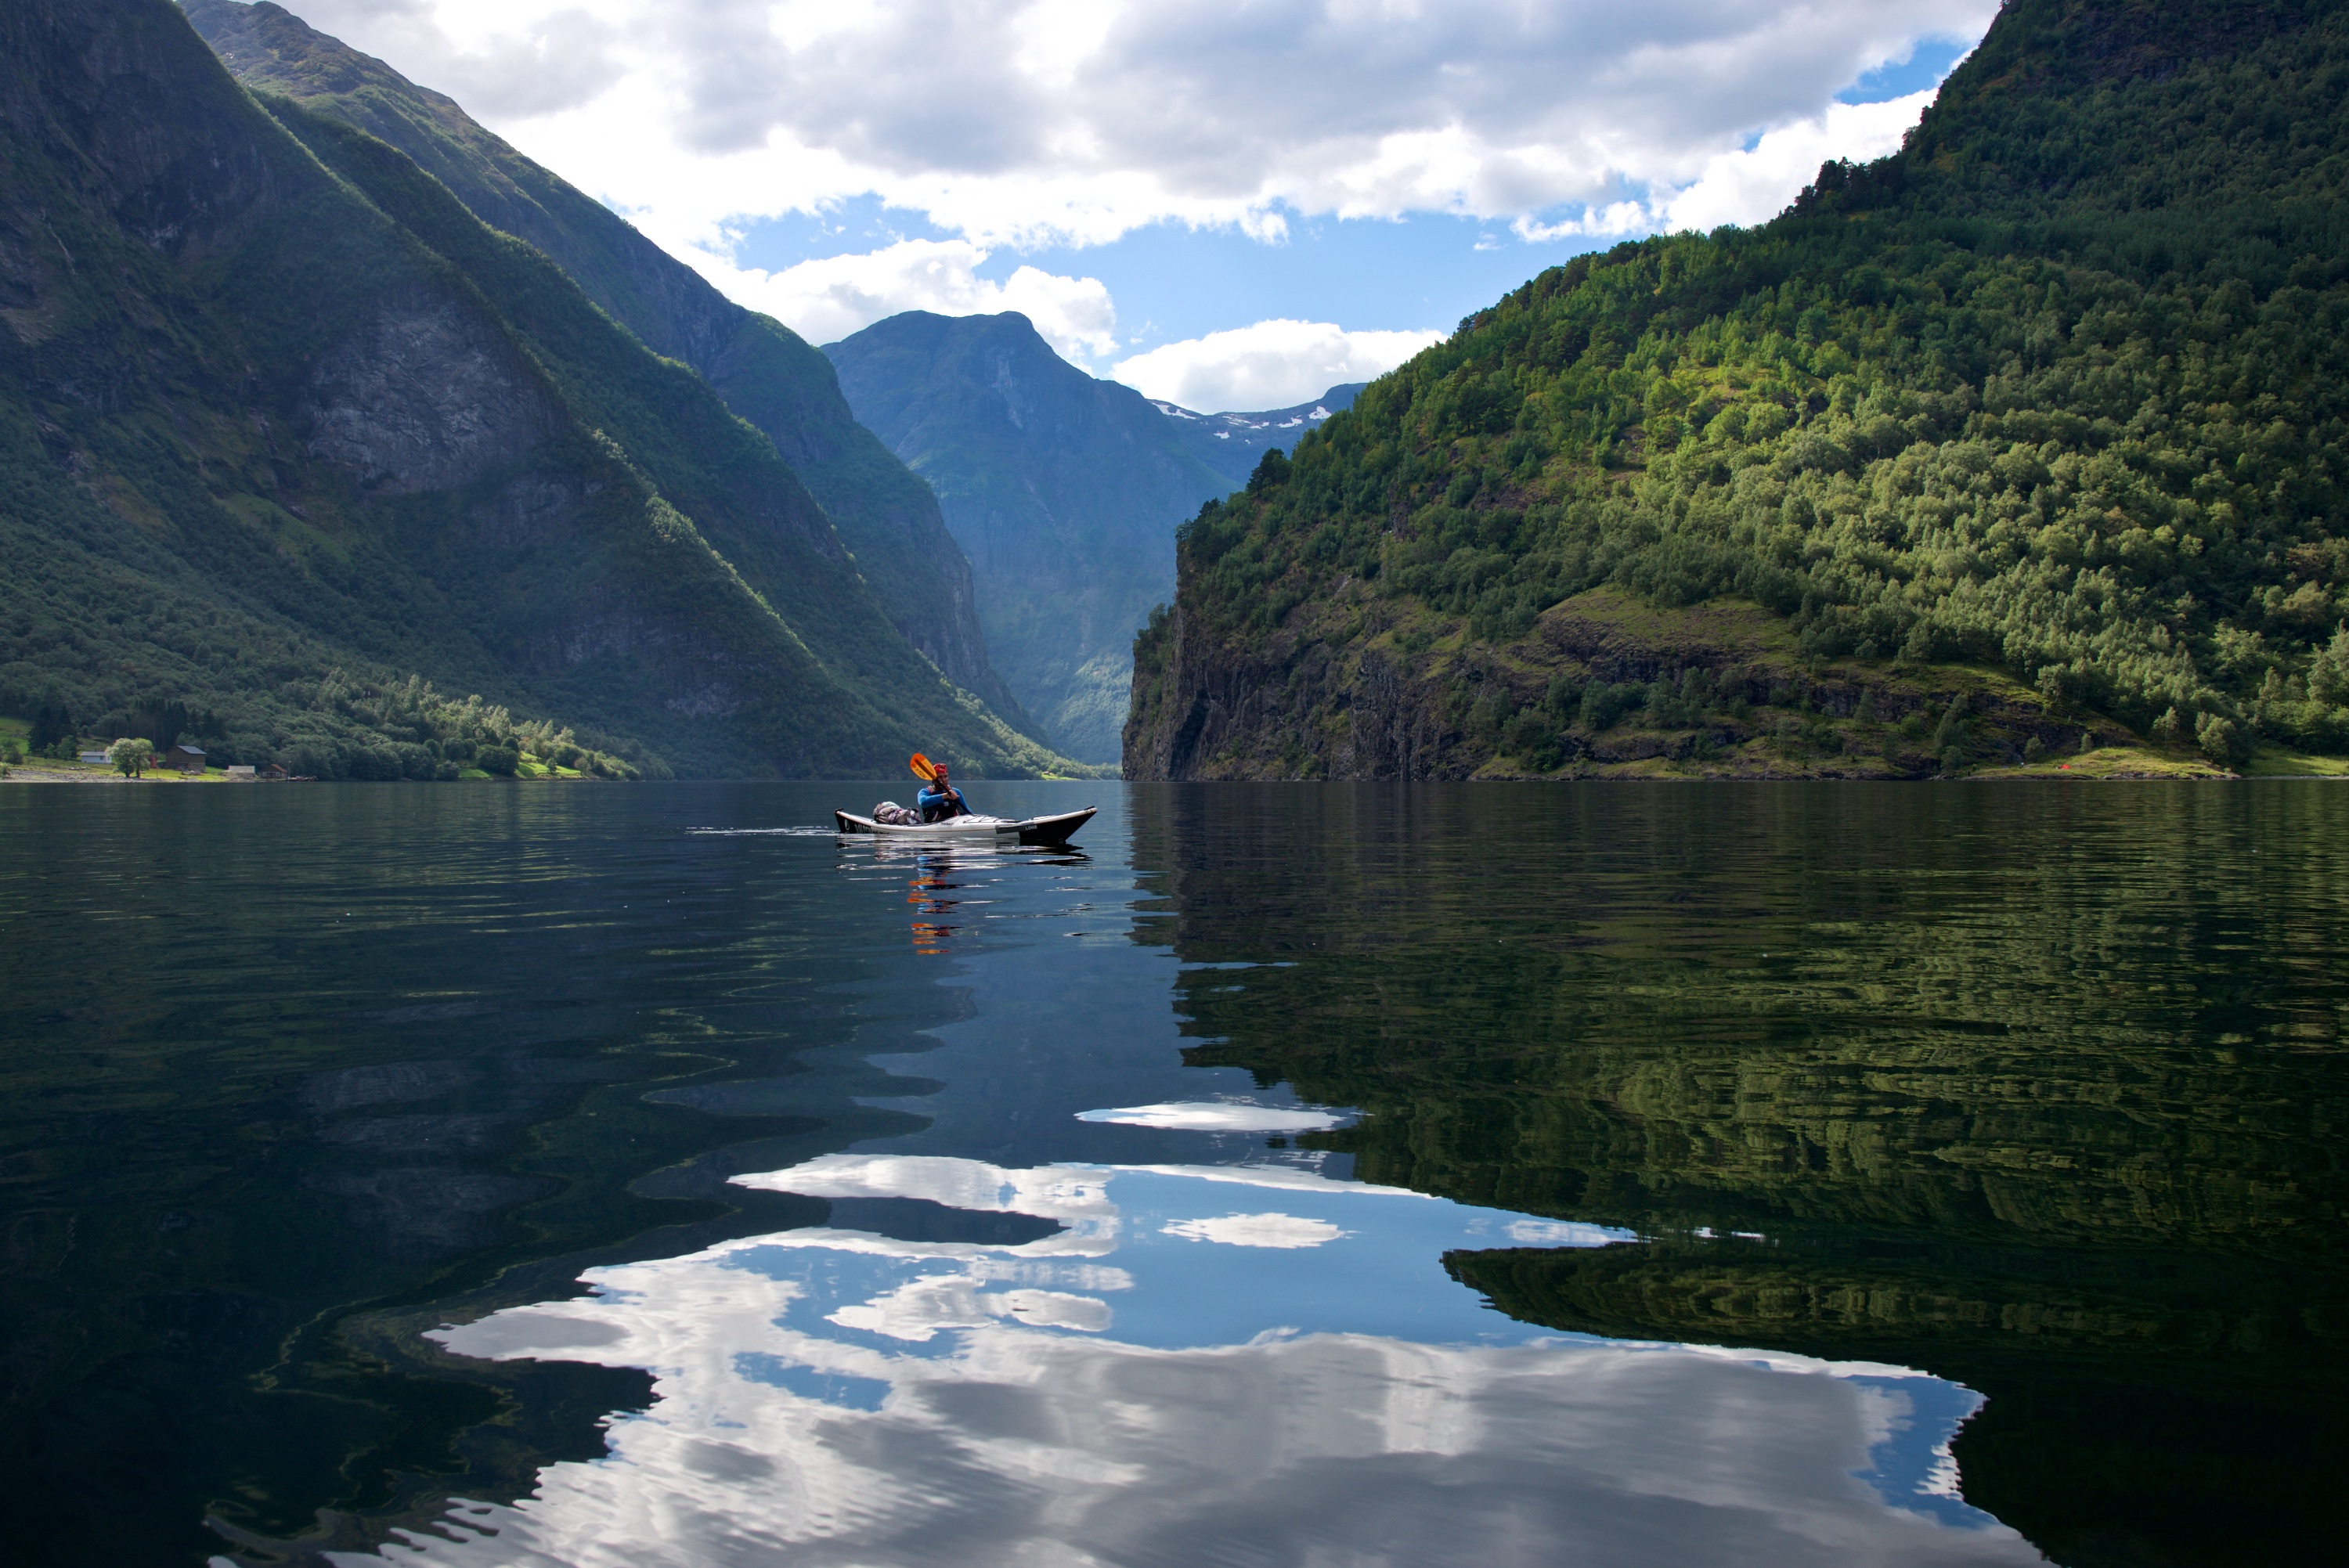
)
(1064, 490)
(1233, 443)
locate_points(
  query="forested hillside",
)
(293, 445)
(2043, 414)
(766, 373)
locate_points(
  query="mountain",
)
(290, 440)
(766, 374)
(2034, 427)
(1063, 491)
(1232, 444)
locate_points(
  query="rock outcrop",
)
(425, 394)
(1398, 703)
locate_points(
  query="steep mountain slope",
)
(1063, 491)
(282, 427)
(766, 373)
(2043, 414)
(1233, 444)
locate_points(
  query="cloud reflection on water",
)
(835, 1396)
(1218, 1115)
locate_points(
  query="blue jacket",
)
(935, 803)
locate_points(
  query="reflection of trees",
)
(2034, 1090)
(2144, 1408)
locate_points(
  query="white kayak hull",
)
(1054, 830)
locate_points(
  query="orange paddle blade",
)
(924, 769)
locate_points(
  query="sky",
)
(1230, 204)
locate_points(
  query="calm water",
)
(1331, 1175)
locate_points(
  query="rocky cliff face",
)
(159, 154)
(424, 395)
(1063, 491)
(281, 424)
(1602, 687)
(884, 515)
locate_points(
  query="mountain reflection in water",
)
(1205, 1364)
(2041, 1091)
(1223, 1189)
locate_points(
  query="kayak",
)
(974, 828)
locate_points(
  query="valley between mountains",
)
(337, 435)
(343, 437)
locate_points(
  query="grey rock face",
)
(172, 171)
(1064, 490)
(423, 397)
(530, 510)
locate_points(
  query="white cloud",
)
(828, 1397)
(1015, 121)
(1614, 221)
(1754, 185)
(1270, 364)
(503, 62)
(1557, 1233)
(827, 299)
(1217, 1116)
(1286, 1231)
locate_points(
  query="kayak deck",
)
(1053, 830)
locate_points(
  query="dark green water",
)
(2039, 1092)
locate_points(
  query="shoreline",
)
(63, 773)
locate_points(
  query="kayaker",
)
(939, 800)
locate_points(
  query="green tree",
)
(2220, 740)
(50, 724)
(128, 755)
(1950, 737)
